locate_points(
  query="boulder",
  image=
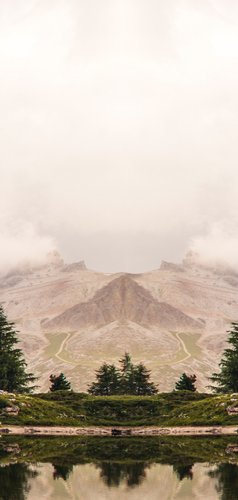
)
(232, 410)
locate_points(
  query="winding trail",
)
(184, 348)
(57, 354)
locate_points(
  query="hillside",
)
(71, 319)
(82, 410)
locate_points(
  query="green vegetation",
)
(186, 383)
(59, 383)
(78, 450)
(31, 410)
(130, 379)
(13, 376)
(227, 380)
(78, 409)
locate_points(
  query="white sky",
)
(119, 130)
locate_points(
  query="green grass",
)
(55, 341)
(79, 409)
(35, 411)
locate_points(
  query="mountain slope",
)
(71, 319)
(122, 300)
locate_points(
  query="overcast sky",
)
(119, 130)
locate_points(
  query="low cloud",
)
(23, 246)
(118, 131)
(218, 247)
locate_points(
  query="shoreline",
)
(118, 431)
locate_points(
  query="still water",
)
(118, 469)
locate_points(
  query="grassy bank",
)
(75, 409)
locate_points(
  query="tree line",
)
(129, 378)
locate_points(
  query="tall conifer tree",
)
(227, 379)
(13, 375)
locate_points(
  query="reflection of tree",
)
(113, 473)
(62, 471)
(14, 481)
(184, 471)
(227, 476)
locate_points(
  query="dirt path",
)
(57, 354)
(119, 431)
(184, 348)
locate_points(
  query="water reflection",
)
(227, 481)
(114, 473)
(118, 468)
(62, 471)
(183, 471)
(14, 481)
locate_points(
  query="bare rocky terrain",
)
(71, 319)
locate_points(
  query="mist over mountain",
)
(118, 131)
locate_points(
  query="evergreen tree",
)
(127, 382)
(13, 377)
(59, 383)
(131, 379)
(108, 381)
(125, 363)
(227, 379)
(186, 383)
(142, 384)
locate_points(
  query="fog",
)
(118, 126)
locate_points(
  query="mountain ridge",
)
(72, 319)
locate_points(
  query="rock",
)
(76, 266)
(232, 410)
(11, 410)
(232, 448)
(169, 266)
(5, 393)
(12, 448)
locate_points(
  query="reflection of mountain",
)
(71, 319)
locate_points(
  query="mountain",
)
(71, 319)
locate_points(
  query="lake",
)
(94, 468)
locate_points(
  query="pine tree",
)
(125, 363)
(127, 382)
(131, 379)
(59, 383)
(108, 381)
(186, 383)
(13, 377)
(227, 379)
(142, 384)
